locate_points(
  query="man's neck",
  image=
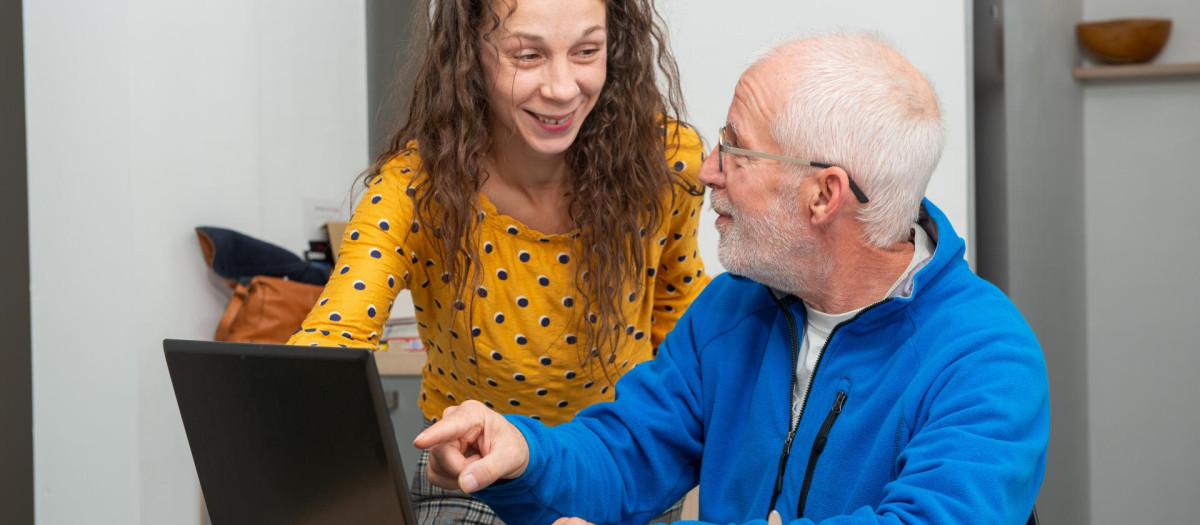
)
(861, 276)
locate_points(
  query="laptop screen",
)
(288, 434)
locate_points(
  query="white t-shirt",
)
(820, 324)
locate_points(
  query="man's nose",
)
(710, 174)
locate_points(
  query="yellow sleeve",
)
(372, 267)
(680, 276)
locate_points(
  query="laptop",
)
(286, 434)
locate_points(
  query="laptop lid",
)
(285, 434)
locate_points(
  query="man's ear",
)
(831, 187)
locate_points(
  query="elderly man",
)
(849, 366)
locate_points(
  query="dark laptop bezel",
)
(374, 385)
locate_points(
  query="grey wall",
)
(1030, 208)
(389, 30)
(16, 394)
(1143, 244)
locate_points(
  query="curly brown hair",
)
(447, 116)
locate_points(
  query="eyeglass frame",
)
(724, 146)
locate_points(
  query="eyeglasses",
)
(728, 135)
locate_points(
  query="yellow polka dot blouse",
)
(524, 319)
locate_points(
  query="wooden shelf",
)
(400, 363)
(1138, 71)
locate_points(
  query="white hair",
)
(859, 105)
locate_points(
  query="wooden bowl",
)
(1124, 41)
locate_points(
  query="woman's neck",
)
(532, 189)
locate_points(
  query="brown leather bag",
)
(269, 310)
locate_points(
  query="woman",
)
(540, 204)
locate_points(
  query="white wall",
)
(714, 41)
(147, 118)
(1140, 157)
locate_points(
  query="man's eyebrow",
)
(538, 38)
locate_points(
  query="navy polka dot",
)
(384, 224)
(451, 396)
(375, 253)
(492, 382)
(511, 229)
(514, 402)
(454, 335)
(496, 355)
(470, 381)
(523, 255)
(669, 308)
(371, 311)
(309, 330)
(345, 268)
(604, 390)
(376, 198)
(359, 285)
(502, 274)
(519, 377)
(639, 334)
(481, 291)
(354, 235)
(680, 165)
(324, 300)
(335, 316)
(415, 227)
(459, 305)
(678, 236)
(632, 296)
(348, 336)
(489, 404)
(445, 277)
(429, 262)
(662, 241)
(520, 338)
(544, 321)
(472, 360)
(522, 301)
(570, 339)
(487, 247)
(499, 318)
(588, 384)
(562, 404)
(570, 374)
(391, 281)
(325, 332)
(682, 258)
(629, 330)
(440, 371)
(542, 391)
(592, 318)
(454, 377)
(650, 272)
(564, 258)
(687, 279)
(475, 331)
(671, 288)
(568, 301)
(543, 280)
(545, 361)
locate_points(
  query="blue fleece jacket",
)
(932, 408)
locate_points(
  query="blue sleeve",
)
(623, 461)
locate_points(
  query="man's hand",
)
(472, 447)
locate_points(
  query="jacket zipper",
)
(793, 425)
(817, 448)
(841, 399)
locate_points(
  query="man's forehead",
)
(756, 98)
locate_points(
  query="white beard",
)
(778, 250)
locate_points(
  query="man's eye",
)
(528, 57)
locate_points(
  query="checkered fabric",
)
(437, 506)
